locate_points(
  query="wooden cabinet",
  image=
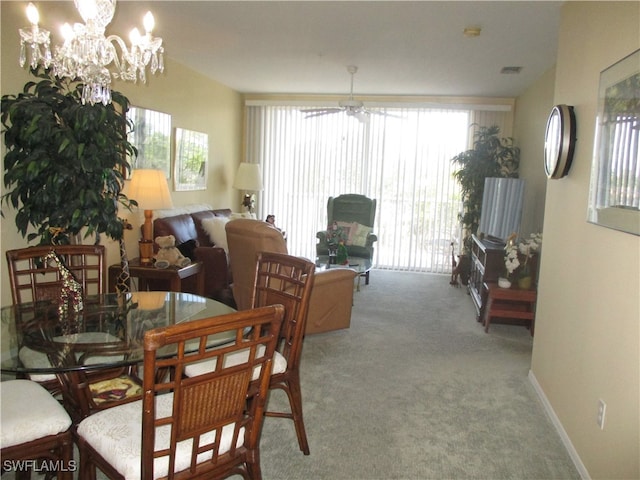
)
(487, 263)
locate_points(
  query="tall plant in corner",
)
(491, 156)
(64, 165)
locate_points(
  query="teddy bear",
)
(169, 254)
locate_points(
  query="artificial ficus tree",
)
(65, 161)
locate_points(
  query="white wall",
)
(587, 340)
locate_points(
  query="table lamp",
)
(150, 189)
(249, 179)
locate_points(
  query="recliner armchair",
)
(355, 214)
(332, 295)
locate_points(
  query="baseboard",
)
(582, 470)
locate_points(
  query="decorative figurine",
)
(271, 220)
(169, 253)
(70, 293)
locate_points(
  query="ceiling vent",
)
(511, 70)
(472, 32)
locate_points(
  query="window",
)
(400, 156)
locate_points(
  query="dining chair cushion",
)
(200, 368)
(115, 389)
(29, 412)
(31, 358)
(115, 434)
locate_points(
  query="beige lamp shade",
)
(150, 189)
(248, 177)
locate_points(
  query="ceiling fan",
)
(352, 107)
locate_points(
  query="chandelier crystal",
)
(86, 54)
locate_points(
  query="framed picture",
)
(192, 152)
(151, 135)
(615, 176)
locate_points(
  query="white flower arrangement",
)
(514, 251)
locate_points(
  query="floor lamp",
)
(249, 179)
(150, 189)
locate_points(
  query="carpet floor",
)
(416, 389)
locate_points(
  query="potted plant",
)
(491, 156)
(65, 162)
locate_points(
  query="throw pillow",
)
(347, 231)
(215, 228)
(187, 248)
(360, 234)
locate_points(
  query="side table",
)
(509, 303)
(172, 274)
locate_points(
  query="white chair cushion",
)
(236, 358)
(116, 434)
(34, 359)
(29, 412)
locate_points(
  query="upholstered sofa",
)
(332, 296)
(191, 227)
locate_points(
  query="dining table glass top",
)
(108, 331)
(359, 264)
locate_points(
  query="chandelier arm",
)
(125, 57)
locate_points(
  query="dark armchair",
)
(355, 215)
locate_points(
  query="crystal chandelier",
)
(86, 53)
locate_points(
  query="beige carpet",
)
(416, 390)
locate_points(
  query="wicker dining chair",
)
(33, 279)
(35, 427)
(207, 426)
(285, 280)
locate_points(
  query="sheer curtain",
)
(401, 157)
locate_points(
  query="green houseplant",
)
(491, 156)
(65, 162)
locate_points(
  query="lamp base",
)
(248, 201)
(146, 252)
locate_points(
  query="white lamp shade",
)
(248, 177)
(150, 189)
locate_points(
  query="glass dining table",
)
(107, 332)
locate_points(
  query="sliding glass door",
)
(400, 156)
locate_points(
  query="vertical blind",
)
(624, 154)
(400, 156)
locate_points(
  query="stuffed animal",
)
(169, 254)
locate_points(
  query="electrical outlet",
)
(602, 409)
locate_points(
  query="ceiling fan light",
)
(363, 117)
(350, 106)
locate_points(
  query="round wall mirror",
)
(559, 141)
